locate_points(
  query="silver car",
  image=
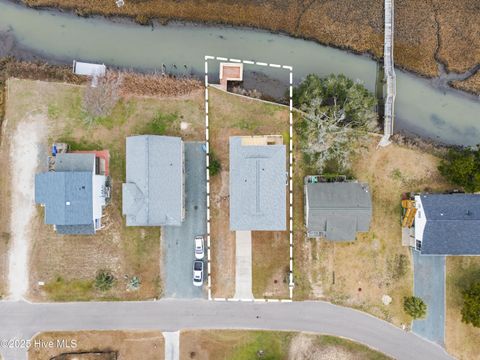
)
(198, 273)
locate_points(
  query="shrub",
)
(214, 165)
(104, 280)
(471, 305)
(462, 167)
(415, 307)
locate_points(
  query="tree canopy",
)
(471, 305)
(337, 111)
(415, 307)
(462, 167)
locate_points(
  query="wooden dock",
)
(389, 73)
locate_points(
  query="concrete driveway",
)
(178, 241)
(243, 270)
(429, 284)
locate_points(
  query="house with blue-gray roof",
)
(258, 183)
(336, 210)
(74, 193)
(447, 224)
(153, 194)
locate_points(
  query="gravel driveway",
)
(177, 241)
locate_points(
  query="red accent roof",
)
(102, 154)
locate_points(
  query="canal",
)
(447, 116)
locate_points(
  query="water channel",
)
(447, 116)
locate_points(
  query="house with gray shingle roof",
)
(73, 195)
(447, 224)
(258, 183)
(337, 210)
(153, 194)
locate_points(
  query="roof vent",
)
(67, 203)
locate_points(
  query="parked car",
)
(198, 273)
(199, 247)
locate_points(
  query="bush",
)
(104, 280)
(462, 167)
(471, 305)
(415, 307)
(214, 165)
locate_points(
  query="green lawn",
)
(461, 339)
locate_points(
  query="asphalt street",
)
(23, 320)
(178, 241)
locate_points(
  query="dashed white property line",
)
(207, 152)
(291, 281)
(207, 175)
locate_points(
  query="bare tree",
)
(100, 98)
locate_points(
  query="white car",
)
(198, 273)
(199, 247)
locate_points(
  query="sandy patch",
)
(24, 153)
(303, 347)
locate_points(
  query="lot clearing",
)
(100, 345)
(461, 340)
(233, 115)
(358, 274)
(243, 345)
(68, 264)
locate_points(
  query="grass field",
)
(232, 115)
(423, 29)
(358, 274)
(68, 264)
(247, 345)
(461, 340)
(147, 345)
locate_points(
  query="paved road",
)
(23, 320)
(177, 241)
(429, 284)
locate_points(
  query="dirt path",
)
(24, 154)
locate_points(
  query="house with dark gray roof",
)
(153, 194)
(447, 224)
(336, 210)
(74, 194)
(258, 183)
